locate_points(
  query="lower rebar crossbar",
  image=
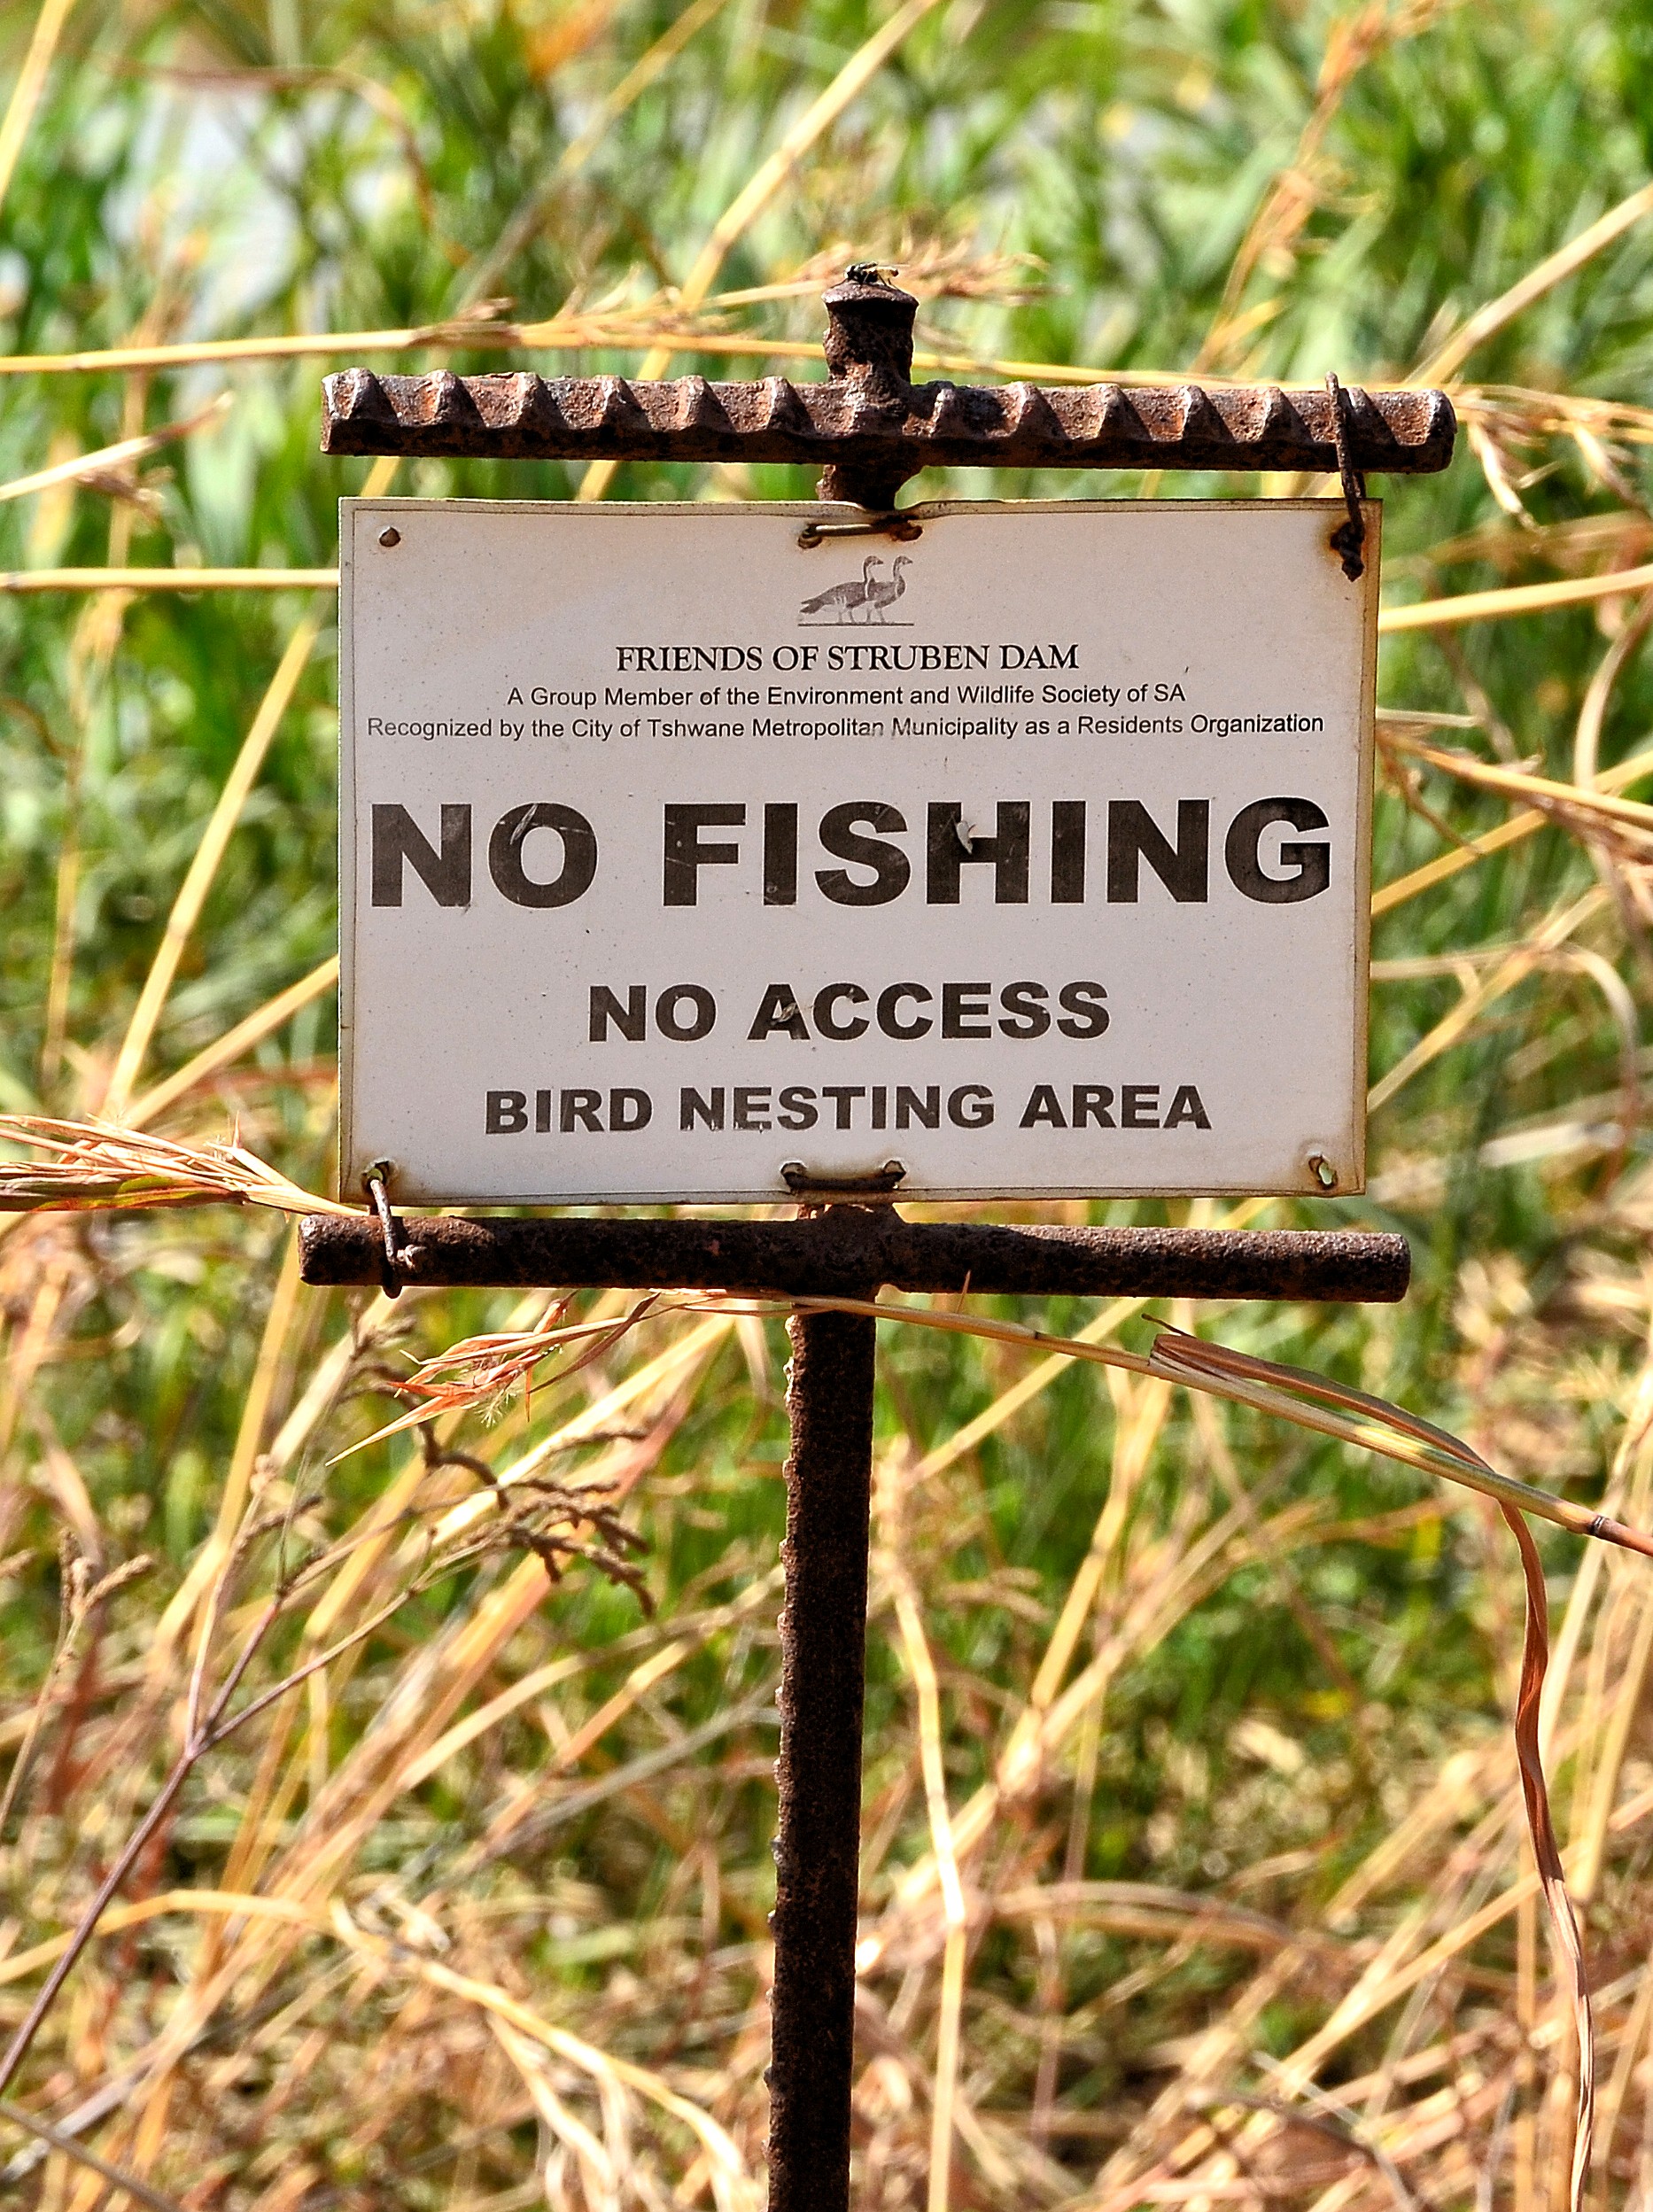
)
(843, 1252)
(838, 1252)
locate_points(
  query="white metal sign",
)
(1032, 853)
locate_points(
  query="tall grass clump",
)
(385, 1803)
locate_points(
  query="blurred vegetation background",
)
(474, 1913)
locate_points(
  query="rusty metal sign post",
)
(870, 429)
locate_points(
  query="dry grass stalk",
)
(1272, 239)
(31, 82)
(186, 909)
(516, 232)
(119, 2179)
(483, 1372)
(921, 1667)
(1520, 599)
(766, 182)
(1553, 270)
(274, 1014)
(109, 466)
(1511, 833)
(1575, 803)
(92, 1167)
(655, 327)
(34, 582)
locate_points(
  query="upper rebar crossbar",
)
(868, 427)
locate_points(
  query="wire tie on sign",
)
(374, 1180)
(900, 525)
(815, 1190)
(1349, 538)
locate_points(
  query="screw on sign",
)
(869, 429)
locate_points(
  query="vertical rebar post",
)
(818, 1840)
(869, 352)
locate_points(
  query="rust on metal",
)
(838, 1252)
(390, 1227)
(818, 1836)
(868, 428)
(1348, 540)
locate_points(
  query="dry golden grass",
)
(374, 1847)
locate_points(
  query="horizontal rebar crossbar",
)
(868, 427)
(527, 418)
(842, 1251)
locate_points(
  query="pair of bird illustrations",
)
(858, 600)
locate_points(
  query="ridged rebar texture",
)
(838, 1253)
(869, 429)
(818, 1837)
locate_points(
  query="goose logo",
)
(862, 602)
